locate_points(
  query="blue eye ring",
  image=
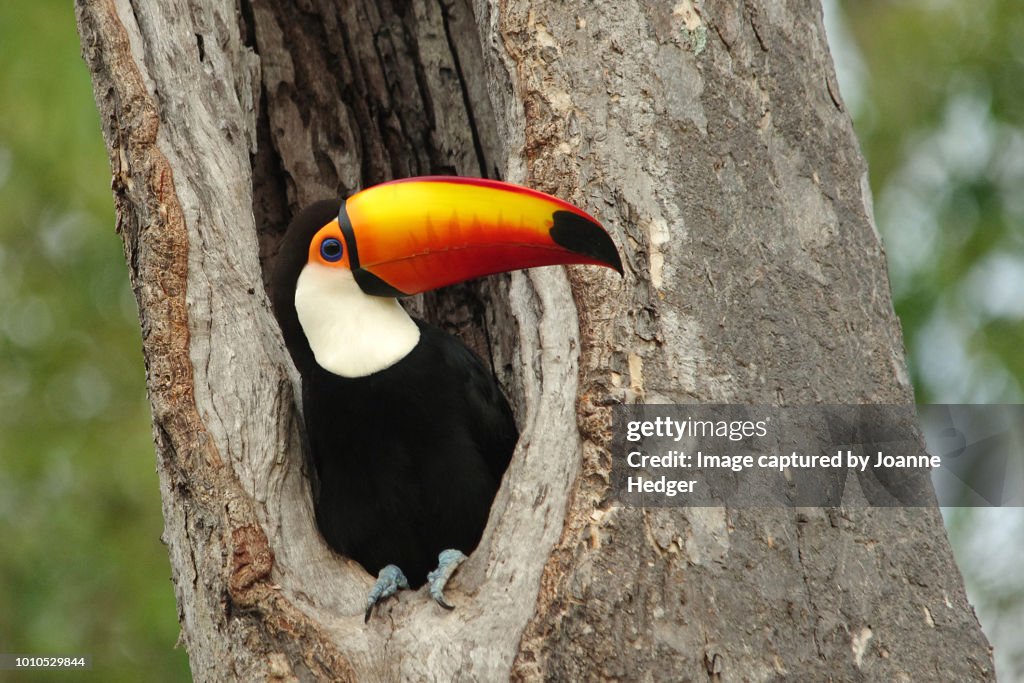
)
(331, 250)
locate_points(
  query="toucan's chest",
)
(420, 399)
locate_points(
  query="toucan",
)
(408, 431)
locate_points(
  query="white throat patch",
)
(351, 333)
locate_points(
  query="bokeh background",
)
(82, 568)
(936, 88)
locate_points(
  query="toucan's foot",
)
(389, 581)
(447, 562)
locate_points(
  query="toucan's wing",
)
(492, 425)
(496, 430)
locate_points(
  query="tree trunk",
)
(712, 141)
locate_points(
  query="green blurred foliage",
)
(940, 117)
(82, 569)
(936, 88)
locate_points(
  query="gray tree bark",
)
(711, 139)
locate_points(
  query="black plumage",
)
(408, 458)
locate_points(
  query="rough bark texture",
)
(713, 142)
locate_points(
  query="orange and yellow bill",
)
(419, 234)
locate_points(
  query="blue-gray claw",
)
(389, 581)
(447, 562)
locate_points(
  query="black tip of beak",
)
(575, 233)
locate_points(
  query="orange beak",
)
(410, 236)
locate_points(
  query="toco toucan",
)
(408, 432)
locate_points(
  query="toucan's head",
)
(410, 236)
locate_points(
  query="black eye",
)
(330, 249)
